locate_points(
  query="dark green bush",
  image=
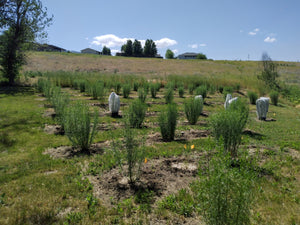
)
(252, 97)
(202, 90)
(136, 113)
(227, 90)
(191, 88)
(142, 94)
(167, 122)
(126, 90)
(77, 125)
(169, 95)
(181, 91)
(153, 89)
(193, 108)
(274, 95)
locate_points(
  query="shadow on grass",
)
(16, 90)
(254, 135)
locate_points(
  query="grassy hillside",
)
(44, 180)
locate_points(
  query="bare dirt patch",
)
(162, 176)
(53, 129)
(65, 152)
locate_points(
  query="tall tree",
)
(269, 72)
(169, 54)
(137, 48)
(22, 22)
(128, 48)
(150, 49)
(106, 51)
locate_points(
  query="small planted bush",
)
(142, 94)
(126, 90)
(117, 87)
(193, 108)
(60, 101)
(274, 97)
(181, 91)
(135, 86)
(225, 192)
(227, 90)
(227, 126)
(191, 88)
(252, 97)
(77, 125)
(153, 90)
(202, 90)
(132, 152)
(136, 113)
(167, 122)
(96, 90)
(169, 96)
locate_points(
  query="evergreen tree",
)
(128, 48)
(137, 48)
(106, 51)
(169, 54)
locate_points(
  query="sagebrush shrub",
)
(252, 97)
(96, 90)
(191, 88)
(167, 122)
(126, 90)
(60, 101)
(142, 94)
(225, 192)
(77, 125)
(136, 113)
(153, 90)
(135, 86)
(202, 90)
(193, 108)
(228, 125)
(169, 95)
(181, 91)
(117, 87)
(274, 95)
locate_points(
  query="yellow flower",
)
(274, 114)
(242, 137)
(184, 146)
(148, 109)
(193, 146)
(146, 160)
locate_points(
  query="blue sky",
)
(231, 29)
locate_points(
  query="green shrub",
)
(228, 125)
(77, 125)
(220, 88)
(126, 90)
(153, 89)
(96, 90)
(237, 87)
(227, 90)
(252, 97)
(135, 86)
(193, 108)
(82, 85)
(225, 192)
(274, 97)
(136, 113)
(169, 96)
(202, 90)
(132, 151)
(167, 122)
(117, 87)
(191, 88)
(170, 85)
(60, 102)
(181, 91)
(142, 94)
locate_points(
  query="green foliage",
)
(227, 126)
(220, 88)
(106, 51)
(77, 125)
(142, 94)
(117, 87)
(22, 22)
(126, 90)
(167, 122)
(136, 86)
(137, 48)
(60, 101)
(202, 90)
(150, 49)
(96, 90)
(132, 151)
(182, 203)
(227, 90)
(128, 48)
(169, 95)
(136, 113)
(269, 72)
(274, 95)
(181, 91)
(252, 97)
(191, 88)
(153, 89)
(193, 108)
(169, 54)
(201, 56)
(225, 192)
(92, 203)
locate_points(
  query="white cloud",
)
(165, 42)
(114, 51)
(270, 39)
(175, 51)
(194, 46)
(87, 38)
(254, 32)
(109, 40)
(202, 45)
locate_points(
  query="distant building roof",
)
(188, 55)
(47, 48)
(90, 51)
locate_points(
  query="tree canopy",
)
(150, 49)
(137, 48)
(106, 51)
(169, 54)
(201, 56)
(22, 21)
